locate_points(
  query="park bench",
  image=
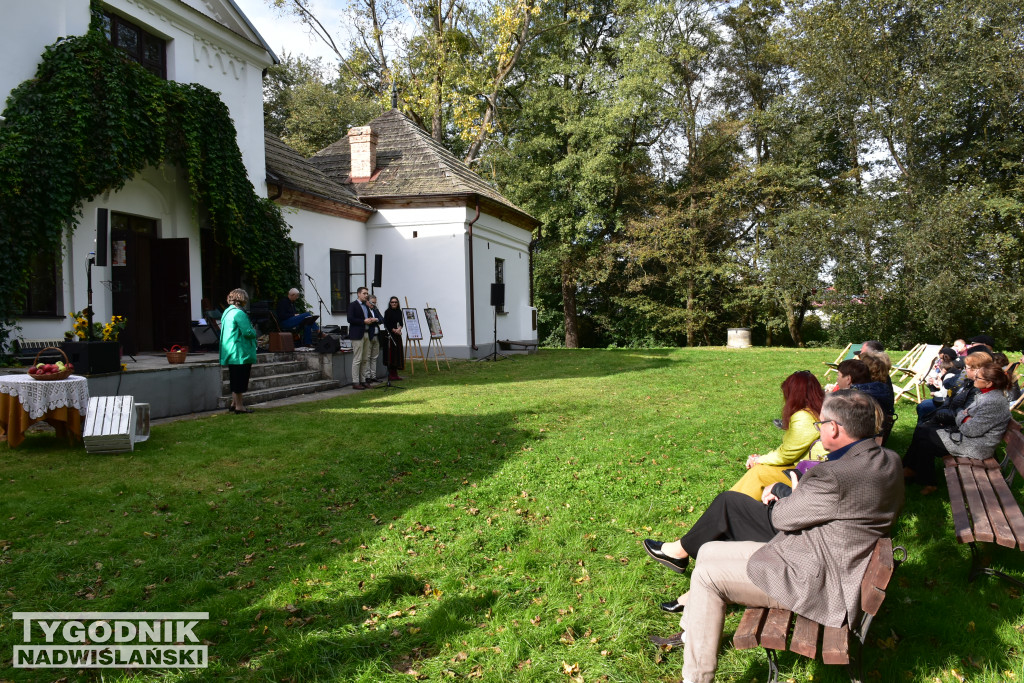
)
(527, 345)
(770, 628)
(984, 509)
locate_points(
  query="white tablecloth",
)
(39, 397)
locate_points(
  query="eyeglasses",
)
(817, 425)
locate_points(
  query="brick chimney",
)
(363, 149)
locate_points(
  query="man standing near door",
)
(361, 326)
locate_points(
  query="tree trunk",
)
(572, 332)
(794, 319)
(690, 335)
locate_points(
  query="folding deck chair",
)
(849, 352)
(917, 373)
(907, 360)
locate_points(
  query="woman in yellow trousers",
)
(803, 396)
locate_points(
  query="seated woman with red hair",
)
(802, 395)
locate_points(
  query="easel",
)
(435, 343)
(413, 348)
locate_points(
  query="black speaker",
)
(498, 294)
(328, 344)
(378, 267)
(101, 237)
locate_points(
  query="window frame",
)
(146, 40)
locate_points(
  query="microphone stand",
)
(321, 306)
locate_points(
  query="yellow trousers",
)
(754, 481)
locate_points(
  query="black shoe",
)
(672, 607)
(674, 640)
(653, 549)
(778, 423)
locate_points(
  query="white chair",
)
(113, 424)
(917, 374)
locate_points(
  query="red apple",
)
(32, 370)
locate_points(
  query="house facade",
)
(158, 266)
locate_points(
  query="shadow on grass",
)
(237, 524)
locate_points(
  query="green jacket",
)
(795, 441)
(237, 338)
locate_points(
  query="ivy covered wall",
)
(86, 124)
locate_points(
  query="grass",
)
(483, 524)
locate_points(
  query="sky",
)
(286, 34)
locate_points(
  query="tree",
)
(449, 60)
(309, 111)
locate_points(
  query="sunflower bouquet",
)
(100, 331)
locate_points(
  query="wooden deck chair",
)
(849, 352)
(1018, 405)
(907, 360)
(916, 374)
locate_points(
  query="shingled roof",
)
(287, 168)
(409, 164)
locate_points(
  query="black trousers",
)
(238, 378)
(925, 448)
(732, 516)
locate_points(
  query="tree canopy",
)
(817, 170)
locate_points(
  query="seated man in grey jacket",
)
(826, 530)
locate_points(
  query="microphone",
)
(308, 277)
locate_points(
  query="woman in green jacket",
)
(237, 348)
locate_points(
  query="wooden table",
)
(25, 401)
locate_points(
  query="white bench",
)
(113, 424)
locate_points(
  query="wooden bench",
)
(770, 628)
(528, 345)
(984, 509)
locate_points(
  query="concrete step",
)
(264, 395)
(272, 368)
(306, 376)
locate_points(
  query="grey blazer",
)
(979, 436)
(827, 530)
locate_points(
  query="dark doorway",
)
(149, 284)
(171, 294)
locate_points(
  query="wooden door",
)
(172, 301)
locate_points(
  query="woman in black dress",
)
(393, 355)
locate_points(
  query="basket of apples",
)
(51, 371)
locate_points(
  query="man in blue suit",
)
(361, 326)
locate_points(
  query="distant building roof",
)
(410, 163)
(288, 169)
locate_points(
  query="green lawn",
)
(485, 523)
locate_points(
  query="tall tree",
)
(449, 60)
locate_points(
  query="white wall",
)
(495, 239)
(428, 269)
(319, 234)
(27, 28)
(433, 268)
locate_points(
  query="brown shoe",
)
(359, 386)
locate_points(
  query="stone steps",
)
(275, 376)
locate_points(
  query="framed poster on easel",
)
(413, 336)
(434, 326)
